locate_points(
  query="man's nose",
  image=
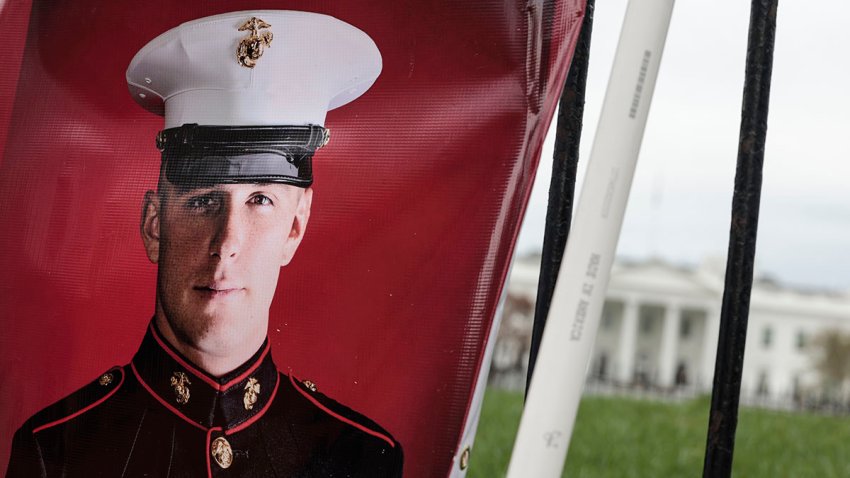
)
(227, 238)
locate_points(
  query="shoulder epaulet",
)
(79, 402)
(339, 411)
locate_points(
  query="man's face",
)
(219, 250)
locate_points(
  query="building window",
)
(763, 389)
(796, 390)
(801, 340)
(601, 371)
(766, 337)
(607, 317)
(646, 324)
(681, 374)
(685, 328)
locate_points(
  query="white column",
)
(709, 350)
(628, 341)
(667, 354)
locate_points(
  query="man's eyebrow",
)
(189, 191)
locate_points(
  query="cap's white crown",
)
(315, 63)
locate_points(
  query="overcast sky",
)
(680, 203)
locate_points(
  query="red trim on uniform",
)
(163, 402)
(248, 372)
(203, 376)
(209, 450)
(212, 383)
(340, 417)
(259, 414)
(84, 410)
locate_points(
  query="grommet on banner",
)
(464, 458)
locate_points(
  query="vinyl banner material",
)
(261, 238)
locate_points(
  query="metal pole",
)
(562, 185)
(723, 418)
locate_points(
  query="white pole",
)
(559, 374)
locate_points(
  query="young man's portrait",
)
(231, 206)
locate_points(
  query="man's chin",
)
(219, 326)
(222, 336)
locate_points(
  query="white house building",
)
(659, 330)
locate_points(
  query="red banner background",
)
(418, 200)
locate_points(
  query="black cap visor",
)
(196, 156)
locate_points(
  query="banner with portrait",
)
(416, 205)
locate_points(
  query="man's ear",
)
(299, 226)
(149, 227)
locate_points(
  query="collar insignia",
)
(179, 382)
(252, 389)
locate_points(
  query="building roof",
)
(704, 283)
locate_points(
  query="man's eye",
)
(261, 200)
(202, 202)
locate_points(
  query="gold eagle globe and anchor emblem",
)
(252, 389)
(251, 47)
(180, 382)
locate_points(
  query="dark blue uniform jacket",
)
(160, 416)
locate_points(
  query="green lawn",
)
(621, 437)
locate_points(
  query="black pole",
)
(723, 417)
(562, 187)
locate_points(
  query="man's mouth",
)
(218, 290)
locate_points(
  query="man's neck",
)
(215, 362)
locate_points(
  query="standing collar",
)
(231, 402)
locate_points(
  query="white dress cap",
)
(313, 63)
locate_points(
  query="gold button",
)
(105, 379)
(310, 385)
(221, 452)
